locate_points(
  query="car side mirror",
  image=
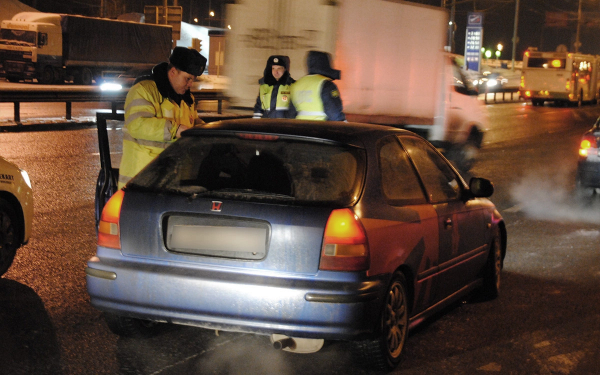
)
(481, 187)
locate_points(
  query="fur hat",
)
(320, 63)
(279, 60)
(188, 60)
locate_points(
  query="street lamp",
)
(499, 47)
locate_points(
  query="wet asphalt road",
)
(546, 320)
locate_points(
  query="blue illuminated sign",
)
(474, 41)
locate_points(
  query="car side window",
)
(441, 182)
(399, 181)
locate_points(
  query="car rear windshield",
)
(257, 167)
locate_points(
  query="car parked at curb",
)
(16, 211)
(588, 164)
(302, 230)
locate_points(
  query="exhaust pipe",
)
(284, 343)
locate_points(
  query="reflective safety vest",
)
(306, 96)
(151, 124)
(283, 97)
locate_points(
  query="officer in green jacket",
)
(157, 109)
(274, 92)
(315, 96)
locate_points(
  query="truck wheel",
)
(10, 235)
(12, 79)
(463, 156)
(86, 76)
(47, 77)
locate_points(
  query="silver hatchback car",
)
(301, 230)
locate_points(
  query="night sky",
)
(499, 17)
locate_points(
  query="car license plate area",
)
(219, 237)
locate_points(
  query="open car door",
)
(106, 184)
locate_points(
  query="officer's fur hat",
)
(268, 74)
(188, 60)
(320, 63)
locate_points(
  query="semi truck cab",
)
(31, 47)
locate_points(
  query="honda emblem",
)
(216, 206)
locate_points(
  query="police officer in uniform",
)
(274, 91)
(157, 109)
(315, 96)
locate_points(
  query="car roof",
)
(345, 132)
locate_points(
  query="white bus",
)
(560, 77)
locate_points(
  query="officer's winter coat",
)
(274, 96)
(315, 96)
(153, 113)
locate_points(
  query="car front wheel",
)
(384, 352)
(493, 269)
(9, 235)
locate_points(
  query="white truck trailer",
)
(391, 55)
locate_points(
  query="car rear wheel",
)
(493, 269)
(9, 235)
(384, 352)
(583, 192)
(130, 327)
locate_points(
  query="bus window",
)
(546, 63)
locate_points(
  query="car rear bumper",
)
(588, 172)
(328, 305)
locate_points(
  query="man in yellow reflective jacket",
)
(273, 99)
(157, 109)
(315, 96)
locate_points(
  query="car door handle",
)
(448, 223)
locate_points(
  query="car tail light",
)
(108, 228)
(258, 137)
(587, 142)
(345, 246)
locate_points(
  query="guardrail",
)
(85, 94)
(504, 92)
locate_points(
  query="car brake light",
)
(587, 142)
(345, 246)
(258, 137)
(108, 228)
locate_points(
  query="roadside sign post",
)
(474, 40)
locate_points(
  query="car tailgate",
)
(231, 233)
